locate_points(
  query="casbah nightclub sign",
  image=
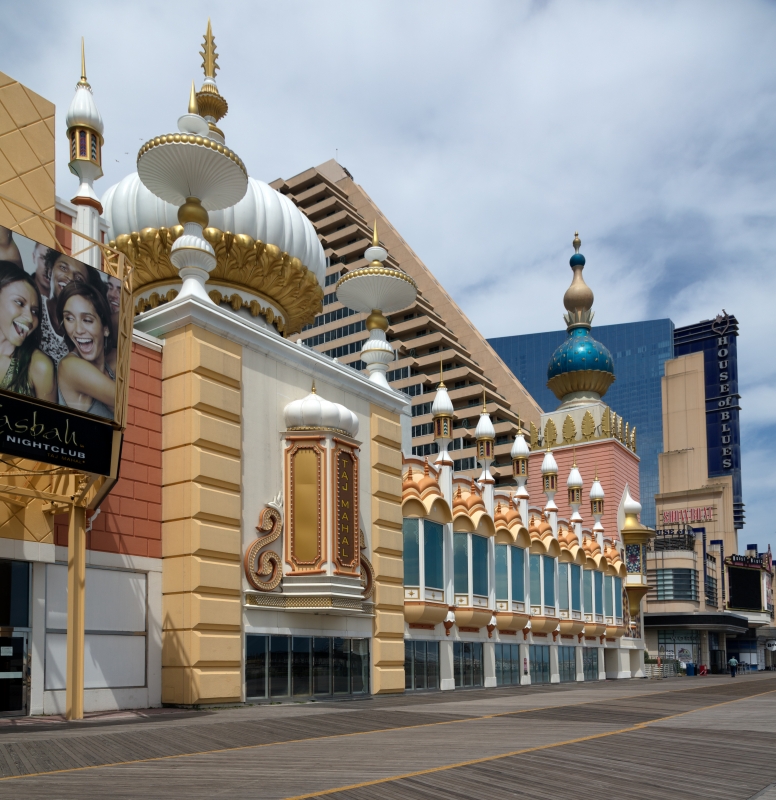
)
(59, 329)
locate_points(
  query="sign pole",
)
(76, 596)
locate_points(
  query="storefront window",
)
(411, 552)
(539, 661)
(433, 554)
(479, 565)
(467, 664)
(14, 594)
(461, 562)
(507, 665)
(421, 665)
(567, 663)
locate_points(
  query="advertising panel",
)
(59, 331)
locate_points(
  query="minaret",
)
(212, 106)
(84, 132)
(442, 415)
(485, 434)
(575, 485)
(520, 452)
(597, 509)
(550, 484)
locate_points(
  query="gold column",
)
(201, 518)
(76, 604)
(387, 552)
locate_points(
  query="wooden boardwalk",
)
(704, 738)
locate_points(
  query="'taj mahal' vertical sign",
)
(347, 533)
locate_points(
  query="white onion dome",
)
(575, 479)
(631, 506)
(549, 465)
(315, 413)
(442, 405)
(520, 447)
(484, 429)
(83, 110)
(262, 214)
(597, 491)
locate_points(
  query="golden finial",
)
(441, 381)
(208, 53)
(375, 240)
(577, 242)
(484, 404)
(83, 81)
(574, 451)
(193, 105)
(596, 473)
(313, 389)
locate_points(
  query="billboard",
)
(59, 334)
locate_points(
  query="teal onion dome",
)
(581, 369)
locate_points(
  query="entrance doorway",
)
(539, 660)
(13, 674)
(590, 663)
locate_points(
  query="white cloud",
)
(488, 132)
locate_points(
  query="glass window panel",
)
(300, 665)
(359, 665)
(618, 597)
(434, 556)
(420, 665)
(476, 664)
(515, 663)
(467, 664)
(549, 580)
(411, 553)
(409, 662)
(599, 592)
(535, 566)
(14, 594)
(255, 665)
(502, 577)
(563, 586)
(479, 565)
(461, 562)
(576, 588)
(499, 664)
(432, 665)
(321, 665)
(518, 574)
(278, 666)
(608, 596)
(587, 580)
(340, 665)
(458, 663)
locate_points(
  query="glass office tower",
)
(640, 350)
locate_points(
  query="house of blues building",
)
(271, 536)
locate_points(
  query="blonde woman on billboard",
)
(64, 271)
(25, 369)
(87, 375)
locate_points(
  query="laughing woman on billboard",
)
(25, 369)
(64, 271)
(87, 376)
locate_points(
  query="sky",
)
(487, 132)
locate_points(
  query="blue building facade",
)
(639, 350)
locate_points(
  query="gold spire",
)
(313, 389)
(83, 81)
(484, 404)
(375, 240)
(208, 53)
(577, 242)
(441, 381)
(193, 105)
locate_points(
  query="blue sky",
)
(488, 133)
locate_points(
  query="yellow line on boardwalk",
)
(399, 728)
(485, 759)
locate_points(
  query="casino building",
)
(272, 535)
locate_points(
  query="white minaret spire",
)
(84, 133)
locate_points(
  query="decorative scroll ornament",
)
(271, 522)
(367, 570)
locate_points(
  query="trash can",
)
(690, 670)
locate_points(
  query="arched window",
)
(82, 143)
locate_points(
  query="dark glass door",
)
(13, 698)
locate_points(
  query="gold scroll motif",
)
(346, 529)
(304, 543)
(242, 262)
(269, 562)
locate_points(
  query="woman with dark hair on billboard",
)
(25, 369)
(64, 271)
(8, 250)
(87, 375)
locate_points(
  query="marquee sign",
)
(346, 510)
(687, 516)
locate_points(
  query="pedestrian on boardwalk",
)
(733, 664)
